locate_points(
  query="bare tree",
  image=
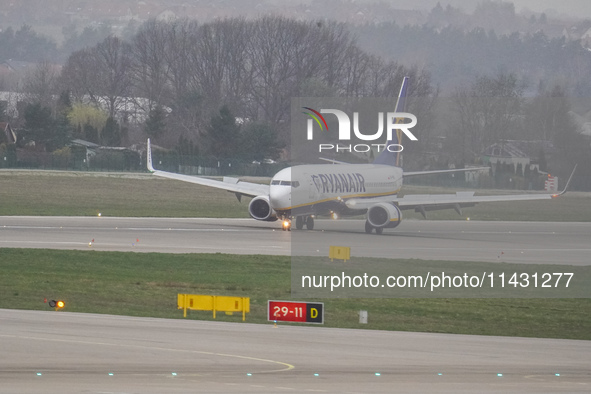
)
(185, 96)
(149, 61)
(40, 84)
(79, 76)
(113, 65)
(488, 111)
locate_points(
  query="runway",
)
(511, 242)
(60, 352)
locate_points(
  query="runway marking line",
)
(287, 366)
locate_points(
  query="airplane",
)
(304, 192)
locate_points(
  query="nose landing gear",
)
(369, 228)
(286, 225)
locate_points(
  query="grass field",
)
(139, 284)
(141, 195)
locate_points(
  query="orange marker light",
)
(56, 304)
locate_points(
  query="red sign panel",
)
(293, 311)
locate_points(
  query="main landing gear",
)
(308, 221)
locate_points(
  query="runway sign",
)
(199, 302)
(339, 253)
(294, 311)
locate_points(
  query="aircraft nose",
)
(280, 197)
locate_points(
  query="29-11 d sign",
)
(294, 311)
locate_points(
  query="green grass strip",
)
(51, 193)
(146, 284)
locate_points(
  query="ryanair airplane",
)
(306, 191)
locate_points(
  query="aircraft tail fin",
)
(393, 158)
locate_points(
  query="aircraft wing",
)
(430, 202)
(414, 173)
(230, 184)
(440, 201)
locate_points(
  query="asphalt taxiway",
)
(511, 242)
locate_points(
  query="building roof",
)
(87, 144)
(15, 65)
(505, 150)
(519, 149)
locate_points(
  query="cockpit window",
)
(285, 183)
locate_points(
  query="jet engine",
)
(384, 215)
(260, 209)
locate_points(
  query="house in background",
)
(516, 152)
(15, 66)
(505, 153)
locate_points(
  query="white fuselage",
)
(324, 188)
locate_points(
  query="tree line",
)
(224, 89)
(186, 73)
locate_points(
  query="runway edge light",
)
(57, 304)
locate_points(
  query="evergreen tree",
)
(111, 134)
(39, 125)
(224, 134)
(188, 151)
(258, 141)
(91, 133)
(155, 125)
(63, 130)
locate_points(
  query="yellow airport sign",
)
(198, 302)
(339, 253)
